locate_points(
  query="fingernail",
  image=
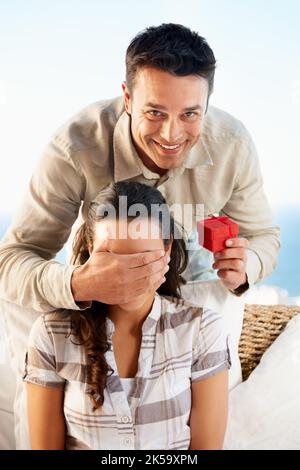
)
(229, 242)
(161, 253)
(168, 259)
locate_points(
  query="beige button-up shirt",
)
(93, 149)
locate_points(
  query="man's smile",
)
(169, 149)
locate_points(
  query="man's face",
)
(166, 116)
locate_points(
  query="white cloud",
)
(270, 295)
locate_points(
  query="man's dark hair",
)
(172, 48)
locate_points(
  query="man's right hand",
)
(116, 279)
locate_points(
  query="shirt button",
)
(126, 419)
(127, 441)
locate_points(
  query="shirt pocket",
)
(179, 378)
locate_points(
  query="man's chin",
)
(170, 164)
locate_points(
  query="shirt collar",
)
(199, 154)
(154, 315)
(126, 159)
(149, 324)
(127, 163)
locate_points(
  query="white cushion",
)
(16, 324)
(264, 411)
(7, 393)
(212, 294)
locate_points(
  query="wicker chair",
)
(262, 324)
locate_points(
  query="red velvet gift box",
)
(214, 231)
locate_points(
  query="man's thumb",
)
(102, 238)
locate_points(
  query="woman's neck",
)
(130, 321)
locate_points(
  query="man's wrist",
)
(241, 289)
(77, 285)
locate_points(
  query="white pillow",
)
(7, 393)
(264, 411)
(214, 295)
(17, 322)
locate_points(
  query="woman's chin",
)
(135, 304)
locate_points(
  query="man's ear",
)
(127, 98)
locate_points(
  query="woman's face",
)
(127, 237)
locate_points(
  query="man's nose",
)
(171, 131)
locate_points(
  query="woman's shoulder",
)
(53, 323)
(180, 309)
(178, 304)
(186, 310)
(59, 321)
(50, 330)
(63, 315)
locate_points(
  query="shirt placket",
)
(125, 413)
(146, 355)
(125, 422)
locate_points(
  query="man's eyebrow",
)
(160, 106)
(194, 108)
(155, 105)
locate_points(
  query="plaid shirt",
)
(181, 343)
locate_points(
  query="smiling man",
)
(161, 132)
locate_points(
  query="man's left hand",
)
(231, 263)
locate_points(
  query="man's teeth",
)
(170, 147)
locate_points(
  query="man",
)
(163, 133)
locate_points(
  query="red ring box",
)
(214, 231)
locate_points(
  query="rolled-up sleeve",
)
(211, 353)
(29, 276)
(40, 361)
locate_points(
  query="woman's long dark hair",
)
(89, 326)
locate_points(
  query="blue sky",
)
(58, 56)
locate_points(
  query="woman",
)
(149, 374)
